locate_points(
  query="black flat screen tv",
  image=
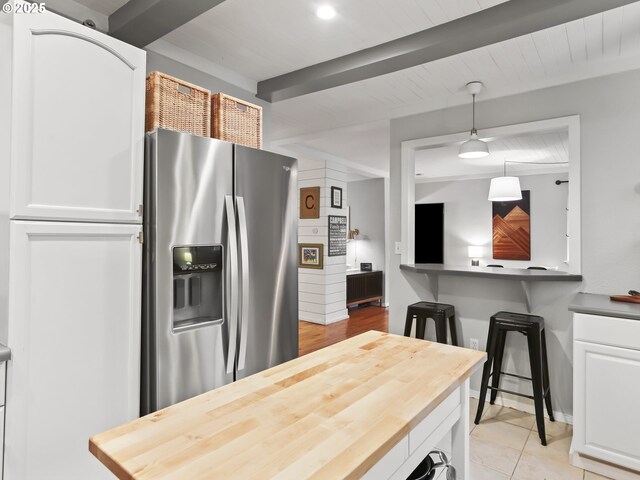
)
(429, 233)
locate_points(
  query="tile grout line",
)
(521, 452)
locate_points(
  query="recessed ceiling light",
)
(326, 12)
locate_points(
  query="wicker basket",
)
(236, 121)
(177, 105)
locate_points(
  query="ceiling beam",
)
(502, 22)
(141, 22)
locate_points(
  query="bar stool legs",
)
(497, 366)
(545, 377)
(535, 358)
(441, 329)
(407, 323)
(453, 330)
(421, 326)
(486, 372)
(532, 327)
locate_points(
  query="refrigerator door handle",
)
(244, 260)
(233, 287)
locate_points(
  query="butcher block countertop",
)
(330, 414)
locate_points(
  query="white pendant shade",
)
(473, 148)
(505, 189)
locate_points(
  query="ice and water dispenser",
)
(197, 286)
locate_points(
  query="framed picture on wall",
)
(310, 202)
(310, 255)
(336, 197)
(512, 228)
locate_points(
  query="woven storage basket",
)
(177, 105)
(236, 121)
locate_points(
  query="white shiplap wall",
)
(322, 293)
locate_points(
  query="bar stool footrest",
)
(530, 397)
(516, 376)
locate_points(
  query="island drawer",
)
(425, 428)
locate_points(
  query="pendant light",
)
(505, 189)
(474, 147)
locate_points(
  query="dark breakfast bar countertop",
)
(521, 274)
(594, 304)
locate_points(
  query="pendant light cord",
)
(473, 115)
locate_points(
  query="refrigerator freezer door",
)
(265, 189)
(188, 178)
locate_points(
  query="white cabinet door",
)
(606, 393)
(74, 331)
(77, 123)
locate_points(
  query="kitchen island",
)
(369, 407)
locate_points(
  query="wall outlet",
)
(474, 344)
(398, 249)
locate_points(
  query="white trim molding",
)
(570, 124)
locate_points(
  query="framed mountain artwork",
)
(512, 229)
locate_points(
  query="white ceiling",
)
(107, 7)
(261, 39)
(535, 151)
(251, 40)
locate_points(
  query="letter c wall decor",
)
(310, 202)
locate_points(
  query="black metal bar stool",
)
(440, 313)
(532, 326)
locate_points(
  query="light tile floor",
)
(506, 446)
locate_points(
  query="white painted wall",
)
(366, 199)
(467, 219)
(322, 294)
(609, 109)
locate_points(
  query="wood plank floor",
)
(314, 337)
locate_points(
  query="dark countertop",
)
(5, 353)
(601, 305)
(355, 272)
(493, 272)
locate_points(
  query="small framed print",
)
(336, 197)
(310, 255)
(366, 267)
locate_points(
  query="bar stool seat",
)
(532, 326)
(439, 312)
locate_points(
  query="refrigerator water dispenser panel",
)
(197, 287)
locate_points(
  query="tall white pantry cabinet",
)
(71, 167)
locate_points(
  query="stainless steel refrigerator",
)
(220, 289)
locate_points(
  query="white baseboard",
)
(518, 403)
(601, 468)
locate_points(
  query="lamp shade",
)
(505, 189)
(473, 148)
(475, 251)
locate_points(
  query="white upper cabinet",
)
(77, 123)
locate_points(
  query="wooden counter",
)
(334, 413)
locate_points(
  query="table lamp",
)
(475, 252)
